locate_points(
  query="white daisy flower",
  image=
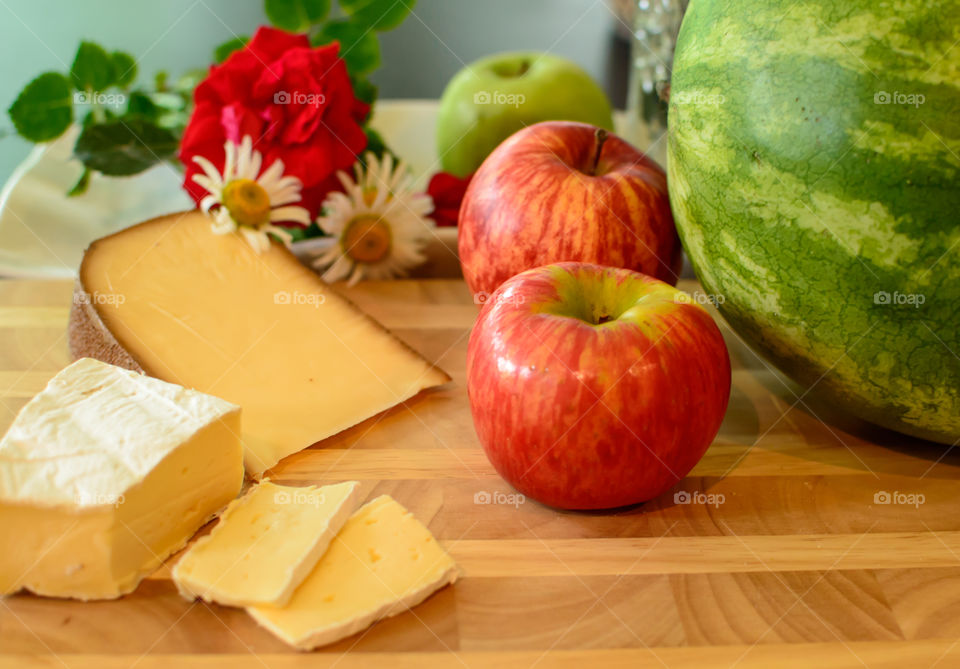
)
(242, 199)
(379, 223)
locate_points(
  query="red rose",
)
(295, 102)
(447, 192)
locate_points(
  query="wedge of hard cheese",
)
(104, 474)
(383, 562)
(265, 544)
(181, 303)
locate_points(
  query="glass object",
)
(655, 27)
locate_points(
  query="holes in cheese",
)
(173, 299)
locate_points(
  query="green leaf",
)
(187, 81)
(312, 230)
(124, 147)
(95, 116)
(92, 68)
(44, 108)
(82, 184)
(296, 16)
(375, 145)
(172, 101)
(359, 46)
(140, 105)
(124, 68)
(364, 90)
(223, 51)
(378, 14)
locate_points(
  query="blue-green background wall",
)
(418, 58)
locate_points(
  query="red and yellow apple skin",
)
(595, 387)
(544, 196)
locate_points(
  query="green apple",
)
(492, 98)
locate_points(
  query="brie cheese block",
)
(383, 562)
(265, 544)
(173, 299)
(104, 474)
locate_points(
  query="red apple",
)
(595, 387)
(563, 191)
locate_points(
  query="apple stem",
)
(600, 136)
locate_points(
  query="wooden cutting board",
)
(776, 551)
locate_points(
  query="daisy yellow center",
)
(247, 202)
(367, 239)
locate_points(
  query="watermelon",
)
(814, 175)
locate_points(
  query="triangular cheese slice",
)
(173, 299)
(265, 544)
(383, 562)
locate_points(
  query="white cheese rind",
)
(83, 440)
(104, 474)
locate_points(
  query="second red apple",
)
(563, 191)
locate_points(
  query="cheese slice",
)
(265, 544)
(104, 474)
(383, 562)
(181, 303)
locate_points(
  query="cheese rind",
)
(383, 562)
(265, 544)
(104, 474)
(173, 299)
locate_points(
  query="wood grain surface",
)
(802, 539)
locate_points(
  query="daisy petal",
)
(287, 197)
(271, 176)
(254, 238)
(205, 183)
(230, 162)
(208, 202)
(209, 169)
(340, 269)
(222, 223)
(256, 162)
(280, 233)
(295, 214)
(289, 182)
(356, 275)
